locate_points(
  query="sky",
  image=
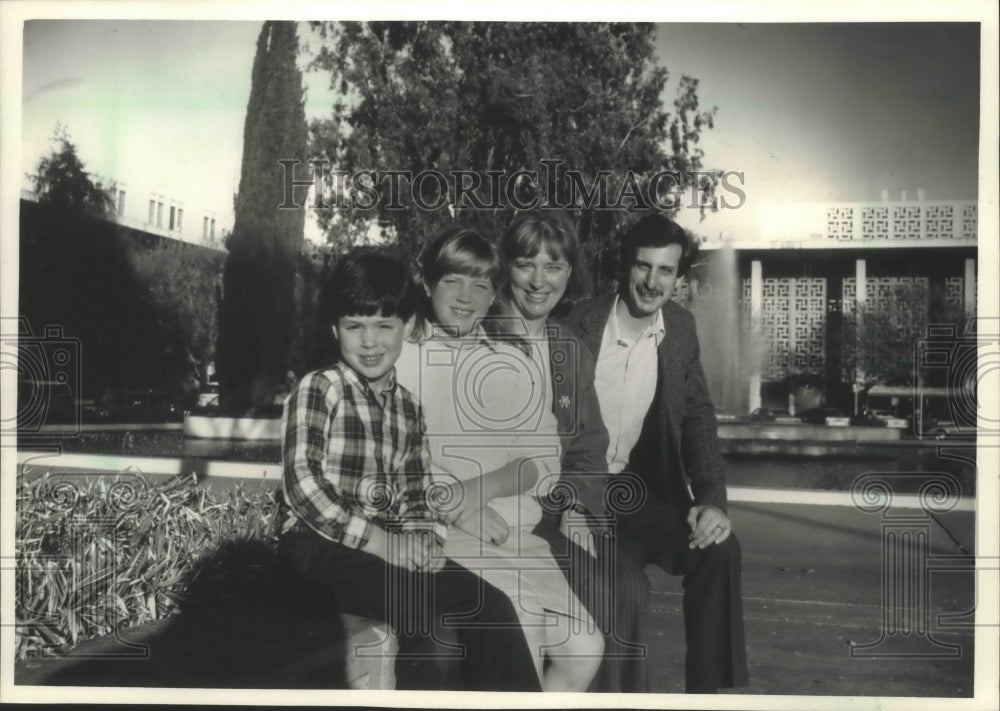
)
(808, 112)
(160, 99)
(834, 112)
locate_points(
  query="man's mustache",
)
(648, 290)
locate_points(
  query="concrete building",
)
(799, 286)
(150, 210)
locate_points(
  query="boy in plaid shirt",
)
(355, 485)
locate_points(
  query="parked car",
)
(208, 396)
(866, 419)
(101, 407)
(830, 416)
(45, 402)
(948, 429)
(135, 406)
(890, 420)
(871, 418)
(768, 414)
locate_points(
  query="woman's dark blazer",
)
(578, 414)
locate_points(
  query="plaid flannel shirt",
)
(351, 461)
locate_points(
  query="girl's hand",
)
(458, 499)
(486, 524)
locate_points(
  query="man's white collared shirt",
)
(626, 383)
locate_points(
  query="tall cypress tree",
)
(257, 309)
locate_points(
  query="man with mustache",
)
(663, 429)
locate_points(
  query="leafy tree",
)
(313, 345)
(62, 182)
(179, 283)
(257, 309)
(494, 96)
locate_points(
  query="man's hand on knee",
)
(708, 526)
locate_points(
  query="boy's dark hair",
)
(655, 230)
(368, 281)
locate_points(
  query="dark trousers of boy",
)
(455, 631)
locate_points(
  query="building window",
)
(204, 228)
(212, 232)
(159, 214)
(180, 218)
(152, 211)
(121, 203)
(173, 215)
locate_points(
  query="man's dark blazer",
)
(679, 444)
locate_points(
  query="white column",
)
(969, 298)
(860, 297)
(756, 336)
(861, 281)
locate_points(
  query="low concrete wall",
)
(218, 427)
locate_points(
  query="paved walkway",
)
(813, 593)
(812, 585)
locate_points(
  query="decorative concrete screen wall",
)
(793, 326)
(904, 221)
(886, 295)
